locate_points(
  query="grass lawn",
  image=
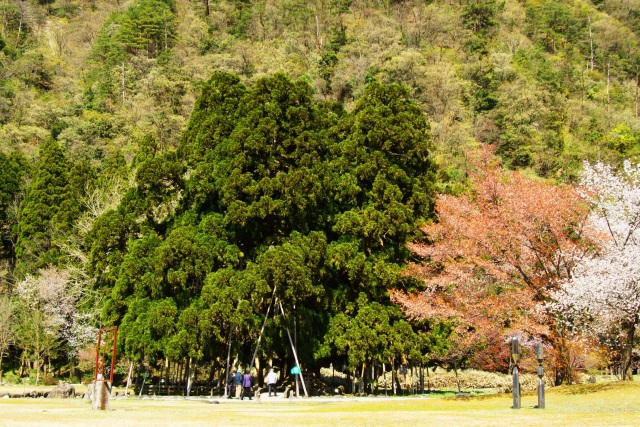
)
(602, 404)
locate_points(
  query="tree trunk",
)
(428, 380)
(194, 375)
(122, 83)
(19, 32)
(384, 375)
(20, 372)
(374, 382)
(36, 365)
(159, 385)
(591, 43)
(562, 360)
(627, 372)
(212, 373)
(168, 371)
(608, 86)
(227, 371)
(189, 379)
(636, 98)
(259, 373)
(393, 376)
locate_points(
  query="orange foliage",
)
(493, 256)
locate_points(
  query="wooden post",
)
(295, 354)
(227, 388)
(273, 298)
(126, 389)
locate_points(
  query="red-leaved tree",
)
(492, 257)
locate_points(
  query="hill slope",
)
(551, 83)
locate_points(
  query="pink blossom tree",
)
(49, 315)
(603, 294)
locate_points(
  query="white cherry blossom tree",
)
(50, 315)
(603, 294)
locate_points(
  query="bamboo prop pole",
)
(295, 354)
(273, 297)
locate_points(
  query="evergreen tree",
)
(13, 169)
(285, 197)
(47, 208)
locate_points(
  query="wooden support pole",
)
(273, 298)
(295, 354)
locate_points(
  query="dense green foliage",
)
(285, 199)
(12, 170)
(47, 207)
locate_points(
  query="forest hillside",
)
(187, 169)
(549, 82)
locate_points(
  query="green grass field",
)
(603, 404)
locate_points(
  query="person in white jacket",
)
(272, 379)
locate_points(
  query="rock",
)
(63, 391)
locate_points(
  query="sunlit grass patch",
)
(601, 404)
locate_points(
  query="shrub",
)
(10, 378)
(50, 380)
(469, 379)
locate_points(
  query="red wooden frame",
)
(99, 360)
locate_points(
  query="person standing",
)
(237, 381)
(272, 379)
(231, 386)
(247, 382)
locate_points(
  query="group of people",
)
(240, 385)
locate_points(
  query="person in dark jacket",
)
(231, 386)
(237, 381)
(247, 382)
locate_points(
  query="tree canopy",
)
(602, 297)
(273, 196)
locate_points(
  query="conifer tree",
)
(43, 211)
(13, 169)
(271, 194)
